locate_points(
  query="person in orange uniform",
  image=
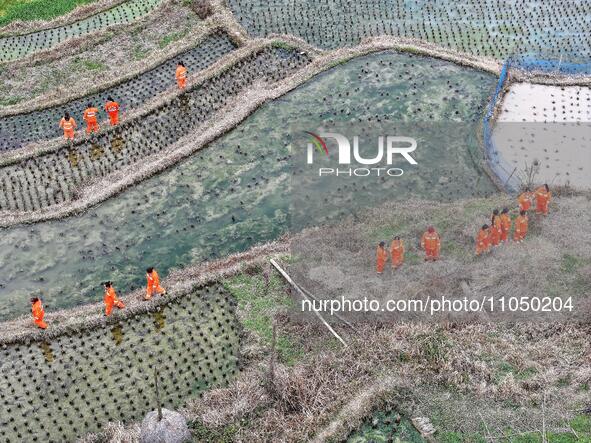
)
(431, 243)
(68, 124)
(543, 196)
(111, 299)
(181, 75)
(112, 109)
(524, 200)
(483, 242)
(381, 257)
(520, 227)
(38, 312)
(90, 117)
(397, 253)
(153, 284)
(495, 229)
(505, 224)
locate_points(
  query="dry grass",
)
(511, 375)
(114, 433)
(80, 12)
(311, 394)
(339, 260)
(123, 51)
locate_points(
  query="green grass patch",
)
(581, 425)
(433, 347)
(282, 45)
(387, 232)
(413, 258)
(80, 64)
(571, 264)
(26, 10)
(139, 53)
(8, 101)
(506, 368)
(170, 38)
(201, 432)
(259, 302)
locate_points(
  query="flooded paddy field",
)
(236, 192)
(493, 28)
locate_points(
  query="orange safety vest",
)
(153, 279)
(483, 239)
(110, 296)
(181, 72)
(542, 196)
(524, 201)
(505, 222)
(90, 115)
(430, 241)
(38, 311)
(397, 247)
(67, 125)
(112, 107)
(521, 224)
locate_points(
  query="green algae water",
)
(386, 426)
(236, 192)
(58, 390)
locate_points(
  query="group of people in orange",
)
(500, 226)
(90, 115)
(488, 236)
(110, 297)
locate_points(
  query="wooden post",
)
(290, 281)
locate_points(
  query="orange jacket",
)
(542, 196)
(483, 239)
(505, 222)
(38, 311)
(68, 125)
(90, 115)
(524, 201)
(112, 107)
(497, 224)
(153, 279)
(111, 296)
(430, 241)
(521, 224)
(397, 248)
(181, 73)
(381, 255)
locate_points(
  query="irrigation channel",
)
(20, 129)
(14, 47)
(58, 390)
(236, 193)
(494, 28)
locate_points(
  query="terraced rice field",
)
(493, 28)
(51, 179)
(60, 389)
(20, 129)
(14, 47)
(236, 192)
